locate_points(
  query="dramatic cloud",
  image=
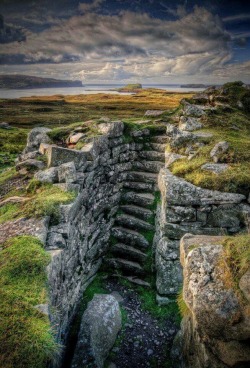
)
(128, 45)
(10, 33)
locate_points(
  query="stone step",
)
(128, 267)
(145, 177)
(132, 222)
(150, 166)
(137, 211)
(152, 155)
(130, 237)
(141, 199)
(160, 139)
(137, 185)
(155, 146)
(133, 279)
(127, 252)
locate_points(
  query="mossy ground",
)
(233, 127)
(44, 200)
(12, 142)
(61, 110)
(26, 338)
(237, 250)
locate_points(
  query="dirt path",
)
(145, 341)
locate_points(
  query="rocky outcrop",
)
(216, 330)
(187, 208)
(100, 325)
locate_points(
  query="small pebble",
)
(150, 352)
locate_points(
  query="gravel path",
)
(146, 341)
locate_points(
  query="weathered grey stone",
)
(35, 137)
(30, 165)
(113, 129)
(47, 176)
(169, 276)
(140, 133)
(215, 168)
(67, 173)
(58, 156)
(154, 113)
(56, 240)
(180, 214)
(225, 216)
(213, 334)
(100, 325)
(177, 191)
(189, 124)
(193, 110)
(168, 249)
(28, 156)
(219, 149)
(171, 157)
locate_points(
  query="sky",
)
(124, 41)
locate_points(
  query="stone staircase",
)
(134, 228)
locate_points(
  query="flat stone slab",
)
(58, 156)
(215, 168)
(178, 191)
(154, 112)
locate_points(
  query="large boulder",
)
(36, 137)
(47, 176)
(216, 330)
(100, 325)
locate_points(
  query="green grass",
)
(148, 299)
(25, 333)
(8, 212)
(237, 250)
(237, 177)
(183, 308)
(44, 201)
(61, 110)
(12, 142)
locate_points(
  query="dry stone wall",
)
(215, 331)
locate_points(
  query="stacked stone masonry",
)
(116, 183)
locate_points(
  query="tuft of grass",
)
(25, 333)
(12, 142)
(7, 174)
(183, 308)
(148, 298)
(44, 201)
(8, 212)
(237, 249)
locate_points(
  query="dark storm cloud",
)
(10, 33)
(120, 39)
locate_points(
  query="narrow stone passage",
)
(134, 227)
(145, 340)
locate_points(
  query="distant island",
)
(130, 88)
(18, 81)
(194, 86)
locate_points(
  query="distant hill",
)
(27, 81)
(133, 87)
(194, 85)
